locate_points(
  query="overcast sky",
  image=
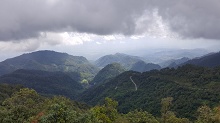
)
(90, 27)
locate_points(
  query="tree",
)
(59, 113)
(22, 106)
(166, 103)
(168, 116)
(207, 115)
(106, 113)
(140, 117)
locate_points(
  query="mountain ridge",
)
(125, 60)
(208, 60)
(48, 61)
(108, 72)
(141, 66)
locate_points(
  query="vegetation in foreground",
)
(27, 106)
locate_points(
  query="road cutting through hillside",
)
(133, 83)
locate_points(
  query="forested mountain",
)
(108, 72)
(173, 62)
(125, 60)
(44, 82)
(190, 86)
(210, 60)
(48, 61)
(141, 66)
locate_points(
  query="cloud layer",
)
(25, 19)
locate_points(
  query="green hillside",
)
(190, 86)
(125, 60)
(141, 66)
(49, 61)
(108, 72)
(46, 83)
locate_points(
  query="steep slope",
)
(48, 83)
(108, 72)
(141, 66)
(125, 60)
(48, 61)
(210, 60)
(190, 87)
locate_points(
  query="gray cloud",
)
(192, 18)
(24, 19)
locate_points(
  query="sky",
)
(92, 28)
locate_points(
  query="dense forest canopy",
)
(19, 108)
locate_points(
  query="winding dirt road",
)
(133, 83)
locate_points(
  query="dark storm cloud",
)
(192, 18)
(24, 19)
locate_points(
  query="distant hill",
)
(209, 60)
(48, 61)
(173, 62)
(141, 66)
(125, 60)
(190, 86)
(167, 54)
(44, 82)
(108, 72)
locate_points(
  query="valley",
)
(135, 85)
(109, 61)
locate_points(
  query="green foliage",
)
(49, 61)
(188, 91)
(168, 116)
(208, 115)
(140, 117)
(44, 82)
(106, 113)
(171, 118)
(21, 106)
(27, 106)
(7, 90)
(166, 104)
(59, 113)
(190, 86)
(108, 72)
(205, 115)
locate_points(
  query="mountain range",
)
(166, 54)
(53, 73)
(189, 85)
(174, 62)
(125, 60)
